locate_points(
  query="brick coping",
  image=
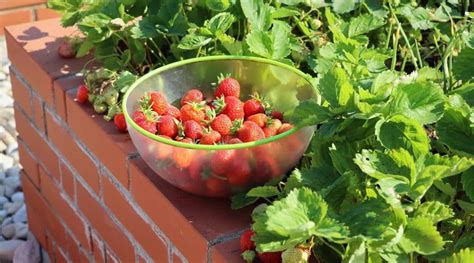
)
(104, 199)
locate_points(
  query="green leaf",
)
(466, 91)
(456, 131)
(466, 206)
(343, 6)
(421, 236)
(192, 41)
(419, 17)
(332, 230)
(220, 22)
(124, 81)
(241, 200)
(465, 255)
(283, 12)
(355, 251)
(467, 180)
(258, 13)
(434, 211)
(363, 24)
(84, 48)
(289, 221)
(462, 65)
(291, 2)
(280, 40)
(309, 113)
(260, 43)
(401, 132)
(335, 87)
(263, 191)
(422, 102)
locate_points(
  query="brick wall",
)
(14, 12)
(89, 195)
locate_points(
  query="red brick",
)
(50, 247)
(38, 146)
(21, 94)
(35, 225)
(199, 219)
(7, 4)
(60, 256)
(45, 13)
(73, 248)
(38, 204)
(141, 231)
(71, 151)
(110, 257)
(30, 166)
(68, 181)
(98, 247)
(38, 113)
(32, 49)
(71, 218)
(60, 87)
(85, 257)
(177, 259)
(104, 225)
(228, 251)
(13, 18)
(111, 147)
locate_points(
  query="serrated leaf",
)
(355, 251)
(84, 48)
(467, 180)
(309, 113)
(283, 12)
(422, 102)
(258, 13)
(192, 41)
(290, 2)
(220, 22)
(465, 255)
(419, 17)
(242, 200)
(335, 87)
(462, 65)
(466, 91)
(260, 43)
(466, 206)
(280, 39)
(124, 81)
(402, 132)
(263, 191)
(421, 236)
(434, 211)
(455, 130)
(343, 6)
(332, 230)
(363, 24)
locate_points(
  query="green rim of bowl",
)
(202, 146)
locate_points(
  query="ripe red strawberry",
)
(277, 115)
(285, 127)
(82, 94)
(272, 127)
(216, 187)
(167, 125)
(221, 161)
(222, 124)
(183, 157)
(253, 106)
(233, 108)
(119, 121)
(239, 172)
(187, 140)
(250, 132)
(260, 119)
(270, 257)
(269, 132)
(246, 242)
(234, 141)
(158, 103)
(211, 137)
(192, 129)
(66, 48)
(228, 87)
(192, 111)
(173, 111)
(146, 119)
(193, 95)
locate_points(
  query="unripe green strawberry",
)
(295, 255)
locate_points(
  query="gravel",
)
(14, 237)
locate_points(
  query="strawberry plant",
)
(388, 176)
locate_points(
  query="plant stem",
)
(418, 53)
(387, 41)
(395, 48)
(405, 38)
(332, 247)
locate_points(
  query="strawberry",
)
(239, 172)
(269, 257)
(277, 115)
(246, 242)
(233, 108)
(167, 125)
(222, 160)
(253, 106)
(222, 124)
(82, 94)
(67, 48)
(285, 127)
(193, 95)
(192, 111)
(119, 121)
(250, 132)
(192, 129)
(234, 141)
(158, 102)
(187, 140)
(260, 119)
(295, 255)
(146, 119)
(183, 157)
(228, 87)
(173, 111)
(272, 127)
(216, 187)
(211, 137)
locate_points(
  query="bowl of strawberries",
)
(215, 126)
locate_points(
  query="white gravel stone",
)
(2, 190)
(6, 162)
(18, 197)
(14, 171)
(8, 232)
(21, 230)
(5, 100)
(11, 184)
(20, 216)
(2, 176)
(7, 221)
(3, 146)
(11, 208)
(3, 200)
(7, 249)
(28, 251)
(3, 214)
